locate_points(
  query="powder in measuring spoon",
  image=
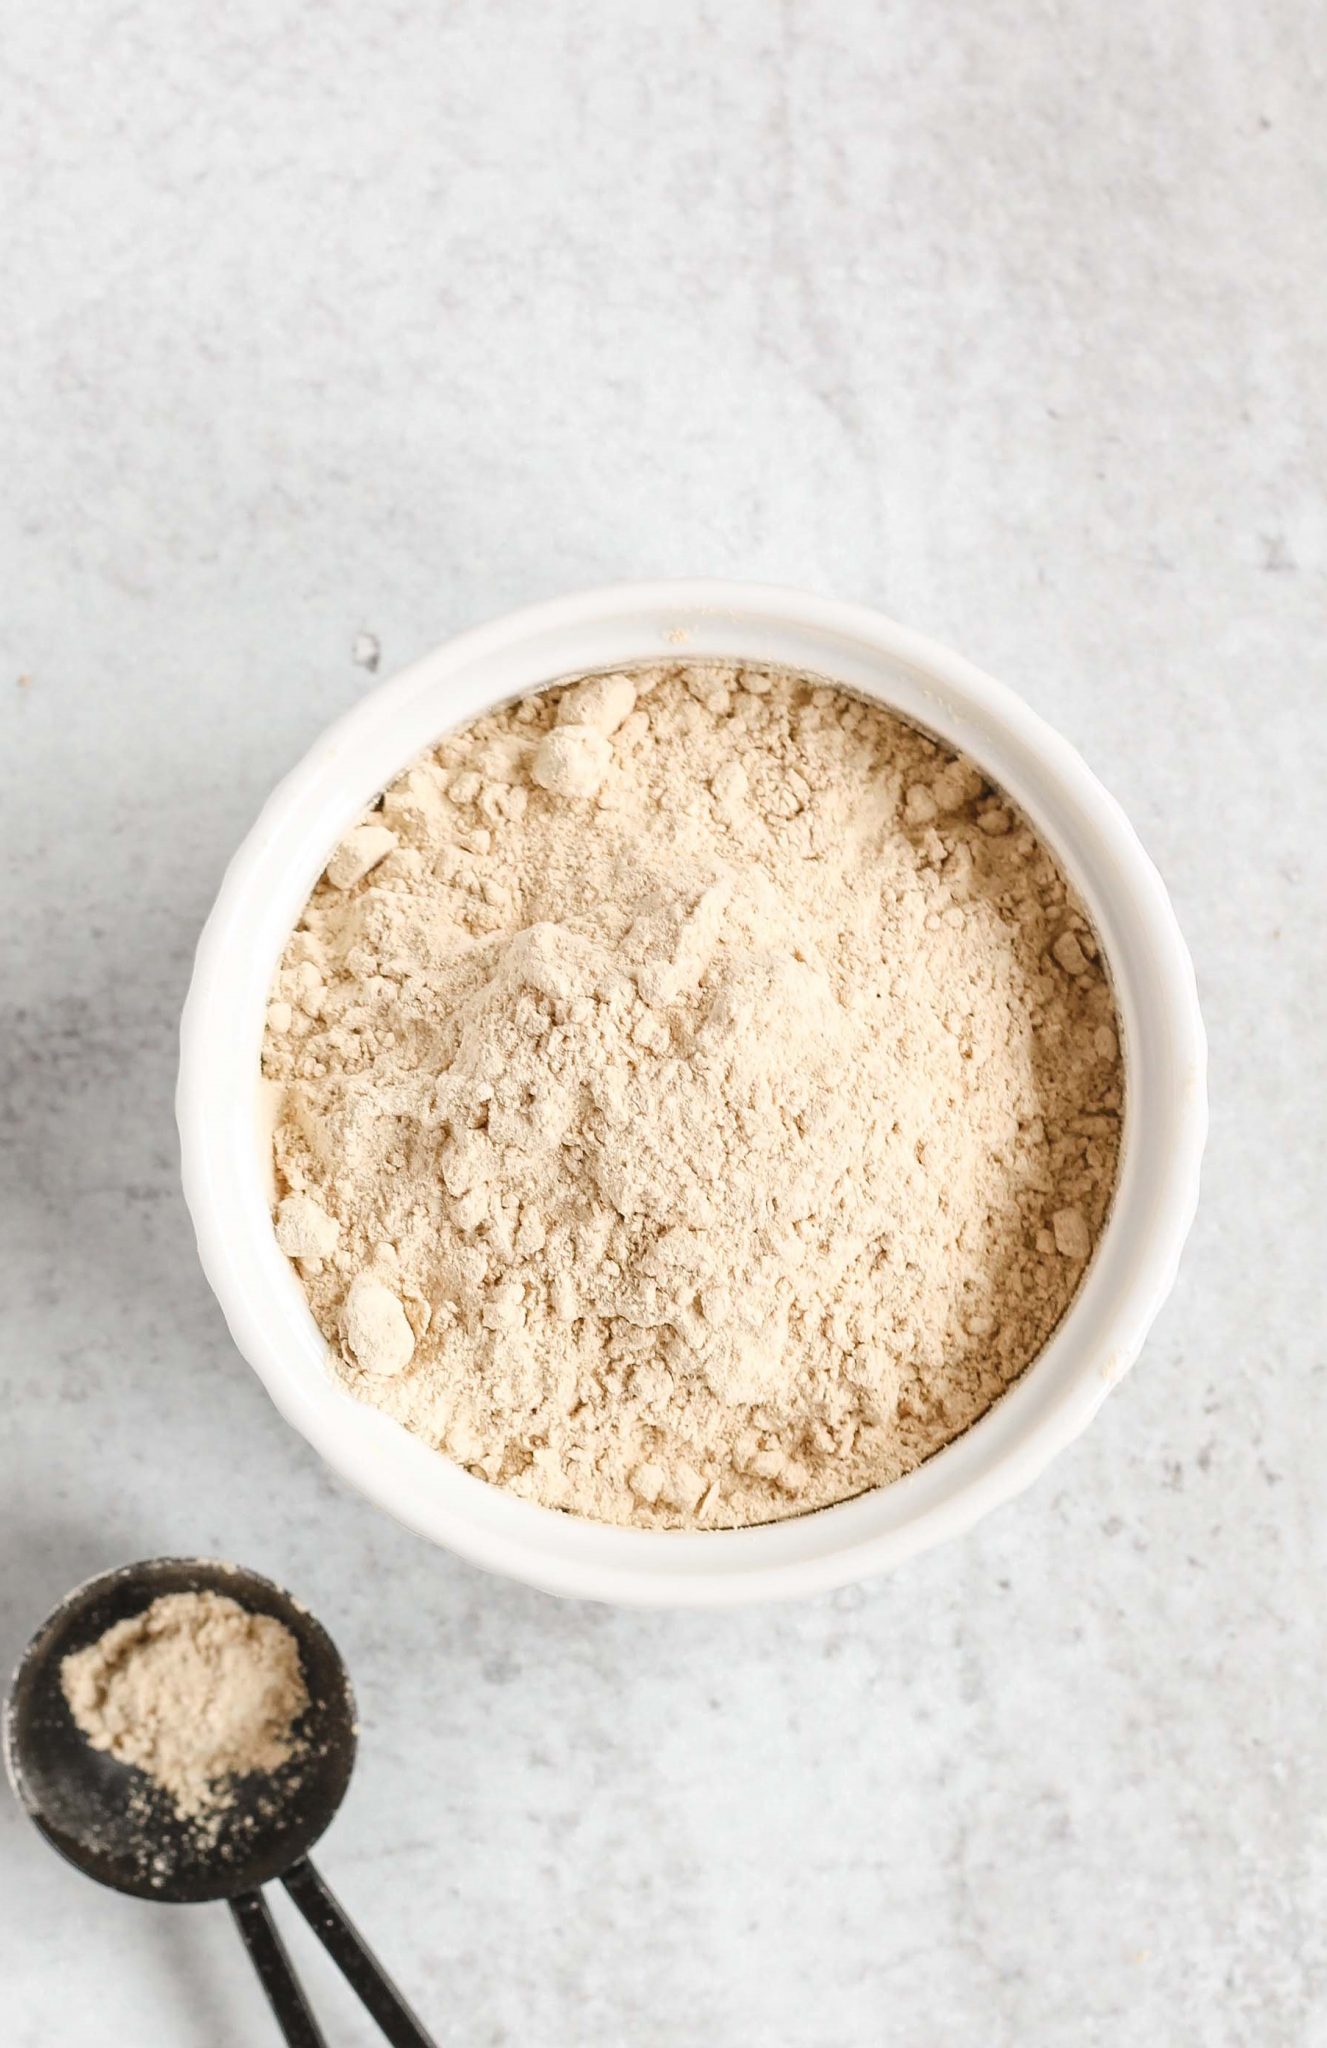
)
(194, 1691)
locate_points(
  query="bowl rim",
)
(1129, 1277)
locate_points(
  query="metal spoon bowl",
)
(117, 1826)
(115, 1823)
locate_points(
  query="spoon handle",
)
(268, 1956)
(354, 1958)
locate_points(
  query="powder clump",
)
(378, 1332)
(194, 1691)
(714, 1091)
(572, 760)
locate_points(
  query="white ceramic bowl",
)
(264, 891)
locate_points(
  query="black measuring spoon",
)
(117, 1826)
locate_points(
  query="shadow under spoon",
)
(117, 1826)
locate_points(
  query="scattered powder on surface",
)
(701, 1094)
(193, 1691)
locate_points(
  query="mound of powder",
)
(194, 1691)
(700, 1097)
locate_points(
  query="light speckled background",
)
(329, 320)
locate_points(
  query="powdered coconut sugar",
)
(194, 1691)
(701, 1095)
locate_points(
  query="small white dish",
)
(224, 1149)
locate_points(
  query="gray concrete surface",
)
(329, 321)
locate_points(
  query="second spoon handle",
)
(354, 1958)
(268, 1956)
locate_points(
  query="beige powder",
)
(194, 1691)
(701, 1097)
